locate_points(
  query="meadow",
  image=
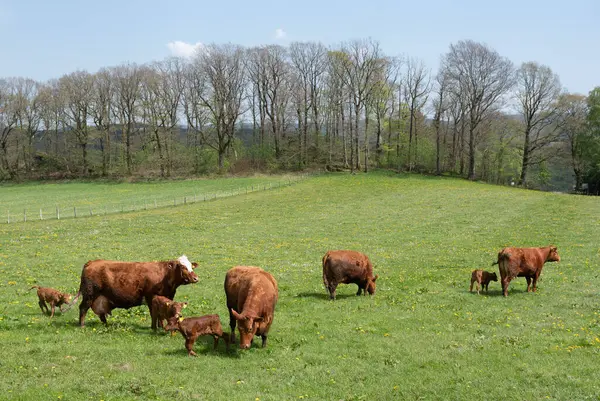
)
(421, 336)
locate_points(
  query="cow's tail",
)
(502, 255)
(325, 260)
(80, 287)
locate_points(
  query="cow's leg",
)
(528, 283)
(361, 290)
(52, 305)
(332, 287)
(505, 282)
(477, 286)
(84, 306)
(103, 318)
(535, 279)
(232, 323)
(189, 345)
(471, 286)
(264, 340)
(42, 305)
(216, 338)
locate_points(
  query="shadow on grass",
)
(320, 295)
(204, 346)
(498, 293)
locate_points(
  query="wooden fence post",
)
(41, 216)
(57, 213)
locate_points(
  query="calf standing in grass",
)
(193, 327)
(53, 297)
(164, 308)
(482, 278)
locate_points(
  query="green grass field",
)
(422, 336)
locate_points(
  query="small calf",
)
(193, 327)
(53, 297)
(482, 278)
(163, 308)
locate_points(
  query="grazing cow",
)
(346, 267)
(107, 284)
(524, 262)
(482, 278)
(251, 297)
(193, 327)
(53, 297)
(163, 309)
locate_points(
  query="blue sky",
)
(46, 39)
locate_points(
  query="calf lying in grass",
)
(193, 327)
(53, 297)
(482, 278)
(164, 308)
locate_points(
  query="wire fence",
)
(143, 203)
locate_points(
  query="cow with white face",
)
(108, 284)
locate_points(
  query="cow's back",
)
(124, 283)
(242, 282)
(346, 266)
(520, 261)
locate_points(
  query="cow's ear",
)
(376, 277)
(194, 265)
(171, 265)
(258, 319)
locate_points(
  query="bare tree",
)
(416, 92)
(573, 112)
(223, 67)
(101, 111)
(76, 89)
(482, 78)
(127, 97)
(28, 114)
(362, 62)
(440, 105)
(8, 121)
(538, 89)
(195, 112)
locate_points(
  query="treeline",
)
(231, 108)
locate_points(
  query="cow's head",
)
(371, 285)
(175, 309)
(186, 270)
(493, 277)
(65, 298)
(247, 325)
(553, 255)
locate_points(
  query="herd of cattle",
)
(251, 292)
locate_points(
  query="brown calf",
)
(193, 327)
(524, 262)
(163, 309)
(482, 278)
(53, 297)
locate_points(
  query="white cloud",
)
(280, 33)
(182, 49)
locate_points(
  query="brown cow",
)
(524, 262)
(107, 284)
(163, 309)
(482, 278)
(53, 297)
(251, 297)
(346, 267)
(193, 327)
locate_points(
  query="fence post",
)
(8, 216)
(57, 213)
(75, 211)
(24, 216)
(91, 214)
(185, 200)
(41, 216)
